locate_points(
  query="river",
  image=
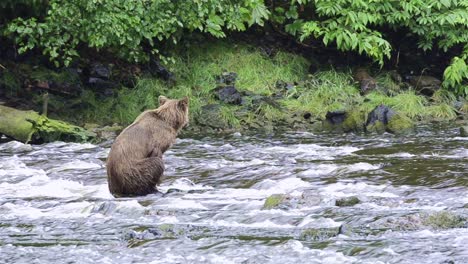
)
(412, 201)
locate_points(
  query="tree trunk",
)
(27, 126)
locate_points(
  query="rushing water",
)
(55, 206)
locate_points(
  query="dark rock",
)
(156, 69)
(229, 95)
(396, 77)
(227, 78)
(366, 82)
(347, 201)
(424, 84)
(381, 113)
(336, 117)
(383, 118)
(211, 116)
(100, 84)
(64, 82)
(101, 71)
(464, 131)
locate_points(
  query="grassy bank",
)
(196, 68)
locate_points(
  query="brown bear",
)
(135, 165)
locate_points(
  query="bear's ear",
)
(183, 103)
(162, 100)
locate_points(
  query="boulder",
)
(158, 70)
(464, 131)
(378, 118)
(345, 121)
(228, 94)
(384, 119)
(101, 71)
(211, 116)
(347, 201)
(227, 78)
(424, 84)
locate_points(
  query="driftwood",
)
(29, 126)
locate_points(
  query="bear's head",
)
(174, 111)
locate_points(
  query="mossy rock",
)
(347, 201)
(400, 124)
(211, 116)
(377, 127)
(312, 234)
(445, 220)
(464, 131)
(273, 201)
(355, 120)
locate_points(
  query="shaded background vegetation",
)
(432, 36)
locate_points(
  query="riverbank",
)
(235, 87)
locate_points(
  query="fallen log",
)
(29, 126)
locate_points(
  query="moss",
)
(377, 127)
(27, 125)
(355, 120)
(464, 131)
(400, 124)
(445, 220)
(347, 201)
(273, 201)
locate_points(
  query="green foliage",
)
(125, 27)
(362, 25)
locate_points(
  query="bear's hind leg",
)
(150, 171)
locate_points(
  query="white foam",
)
(361, 166)
(15, 146)
(264, 224)
(68, 210)
(184, 184)
(400, 155)
(40, 185)
(321, 222)
(341, 189)
(178, 203)
(75, 165)
(312, 150)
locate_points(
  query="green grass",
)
(325, 91)
(196, 68)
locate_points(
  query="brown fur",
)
(366, 82)
(135, 165)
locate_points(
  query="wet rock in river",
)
(274, 201)
(445, 220)
(336, 117)
(347, 201)
(383, 118)
(286, 201)
(464, 131)
(229, 95)
(426, 85)
(345, 121)
(378, 118)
